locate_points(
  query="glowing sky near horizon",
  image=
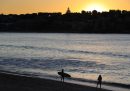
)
(34, 6)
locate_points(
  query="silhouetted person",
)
(99, 80)
(62, 75)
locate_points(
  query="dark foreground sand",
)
(22, 83)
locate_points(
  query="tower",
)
(68, 11)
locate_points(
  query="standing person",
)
(99, 80)
(62, 75)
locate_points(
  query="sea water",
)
(83, 56)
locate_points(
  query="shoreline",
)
(9, 82)
(75, 81)
(55, 77)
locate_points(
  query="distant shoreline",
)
(114, 21)
(63, 33)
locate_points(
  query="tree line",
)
(113, 21)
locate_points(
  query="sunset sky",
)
(34, 6)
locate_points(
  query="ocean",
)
(83, 56)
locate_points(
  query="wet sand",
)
(10, 82)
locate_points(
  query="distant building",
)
(68, 11)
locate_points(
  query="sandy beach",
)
(10, 82)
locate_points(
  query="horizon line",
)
(65, 12)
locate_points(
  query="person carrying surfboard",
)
(63, 75)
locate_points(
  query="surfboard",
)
(64, 74)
